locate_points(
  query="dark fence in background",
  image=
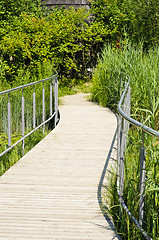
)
(67, 3)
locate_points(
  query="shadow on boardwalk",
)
(109, 164)
(51, 193)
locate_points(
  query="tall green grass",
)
(142, 67)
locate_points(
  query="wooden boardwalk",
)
(51, 193)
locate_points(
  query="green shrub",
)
(139, 20)
(12, 8)
(65, 38)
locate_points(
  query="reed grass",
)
(142, 67)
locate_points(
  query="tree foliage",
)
(12, 8)
(64, 37)
(70, 40)
(138, 19)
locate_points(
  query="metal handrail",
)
(131, 120)
(28, 85)
(124, 118)
(53, 82)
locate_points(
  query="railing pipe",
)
(124, 111)
(34, 108)
(142, 185)
(23, 123)
(52, 114)
(50, 98)
(9, 122)
(43, 104)
(27, 135)
(56, 99)
(28, 85)
(133, 121)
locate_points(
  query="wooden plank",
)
(51, 193)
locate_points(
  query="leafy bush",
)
(65, 38)
(12, 8)
(136, 19)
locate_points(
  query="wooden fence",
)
(67, 3)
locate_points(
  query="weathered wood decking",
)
(51, 193)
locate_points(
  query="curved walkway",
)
(51, 193)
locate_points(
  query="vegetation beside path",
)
(34, 43)
(142, 67)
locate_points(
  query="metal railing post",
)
(23, 123)
(122, 163)
(34, 108)
(51, 98)
(118, 149)
(35, 125)
(43, 114)
(9, 122)
(125, 114)
(55, 98)
(142, 182)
